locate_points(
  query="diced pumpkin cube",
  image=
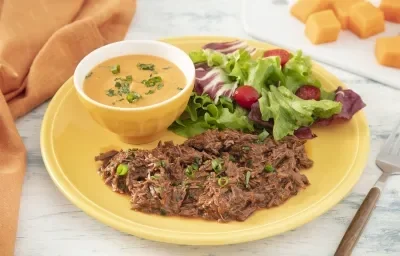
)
(322, 27)
(391, 10)
(387, 51)
(302, 9)
(342, 9)
(366, 20)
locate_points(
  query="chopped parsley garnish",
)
(133, 97)
(122, 89)
(149, 92)
(88, 75)
(151, 82)
(216, 164)
(248, 175)
(128, 78)
(223, 181)
(159, 86)
(110, 93)
(180, 88)
(143, 66)
(115, 69)
(269, 168)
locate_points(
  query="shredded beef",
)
(218, 175)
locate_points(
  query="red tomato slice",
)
(309, 92)
(245, 96)
(283, 54)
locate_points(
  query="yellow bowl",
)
(137, 125)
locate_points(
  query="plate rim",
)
(176, 237)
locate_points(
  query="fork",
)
(388, 160)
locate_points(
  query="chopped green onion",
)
(262, 136)
(269, 168)
(88, 75)
(158, 190)
(117, 85)
(133, 97)
(143, 66)
(249, 163)
(195, 166)
(155, 177)
(223, 181)
(248, 174)
(189, 171)
(161, 163)
(180, 88)
(150, 92)
(197, 160)
(122, 169)
(216, 165)
(115, 69)
(246, 148)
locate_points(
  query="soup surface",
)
(134, 81)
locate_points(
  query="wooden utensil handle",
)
(358, 223)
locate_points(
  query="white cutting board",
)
(271, 21)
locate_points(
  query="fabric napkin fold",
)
(41, 42)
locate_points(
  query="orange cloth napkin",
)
(41, 42)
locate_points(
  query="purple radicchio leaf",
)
(213, 82)
(255, 116)
(351, 104)
(230, 47)
(304, 133)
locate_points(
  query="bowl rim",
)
(187, 87)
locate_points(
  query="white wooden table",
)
(50, 225)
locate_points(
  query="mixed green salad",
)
(238, 88)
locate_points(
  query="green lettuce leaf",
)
(289, 112)
(298, 72)
(235, 64)
(264, 72)
(202, 114)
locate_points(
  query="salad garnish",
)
(275, 91)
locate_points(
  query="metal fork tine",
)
(389, 142)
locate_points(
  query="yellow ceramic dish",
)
(70, 139)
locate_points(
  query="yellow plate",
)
(70, 139)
